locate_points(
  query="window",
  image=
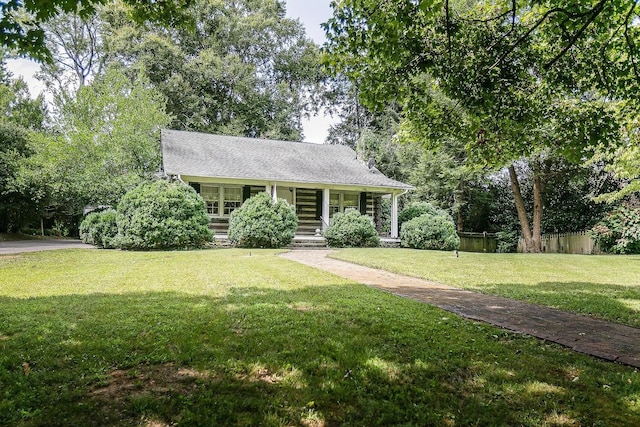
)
(211, 196)
(232, 199)
(334, 203)
(350, 200)
(338, 202)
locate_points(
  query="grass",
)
(222, 337)
(607, 287)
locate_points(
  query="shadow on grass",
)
(315, 356)
(612, 302)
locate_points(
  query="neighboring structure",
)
(318, 179)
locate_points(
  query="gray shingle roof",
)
(206, 155)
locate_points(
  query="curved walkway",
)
(599, 338)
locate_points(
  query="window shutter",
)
(246, 192)
(318, 204)
(195, 186)
(363, 203)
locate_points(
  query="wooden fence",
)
(478, 242)
(566, 243)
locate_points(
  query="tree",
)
(378, 142)
(21, 21)
(505, 67)
(105, 142)
(342, 100)
(245, 69)
(77, 55)
(624, 163)
(19, 115)
(568, 196)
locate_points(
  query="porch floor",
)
(307, 241)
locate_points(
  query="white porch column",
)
(394, 216)
(325, 208)
(274, 192)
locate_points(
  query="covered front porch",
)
(315, 204)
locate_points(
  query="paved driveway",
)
(40, 245)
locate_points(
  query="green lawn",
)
(603, 286)
(232, 337)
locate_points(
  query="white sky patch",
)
(26, 69)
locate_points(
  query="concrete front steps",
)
(308, 242)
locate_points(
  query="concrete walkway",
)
(599, 338)
(14, 247)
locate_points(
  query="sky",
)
(310, 12)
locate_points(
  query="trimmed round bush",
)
(100, 229)
(430, 232)
(162, 215)
(416, 209)
(351, 230)
(262, 223)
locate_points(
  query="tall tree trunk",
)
(522, 212)
(538, 206)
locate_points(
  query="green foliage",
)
(429, 231)
(507, 241)
(162, 215)
(245, 70)
(105, 141)
(262, 223)
(619, 231)
(21, 21)
(13, 149)
(508, 80)
(624, 163)
(19, 116)
(381, 146)
(416, 209)
(351, 229)
(568, 197)
(100, 229)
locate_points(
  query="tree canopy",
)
(21, 21)
(244, 69)
(104, 142)
(511, 80)
(19, 117)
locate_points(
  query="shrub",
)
(162, 215)
(351, 229)
(507, 241)
(100, 229)
(416, 209)
(619, 231)
(262, 223)
(430, 232)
